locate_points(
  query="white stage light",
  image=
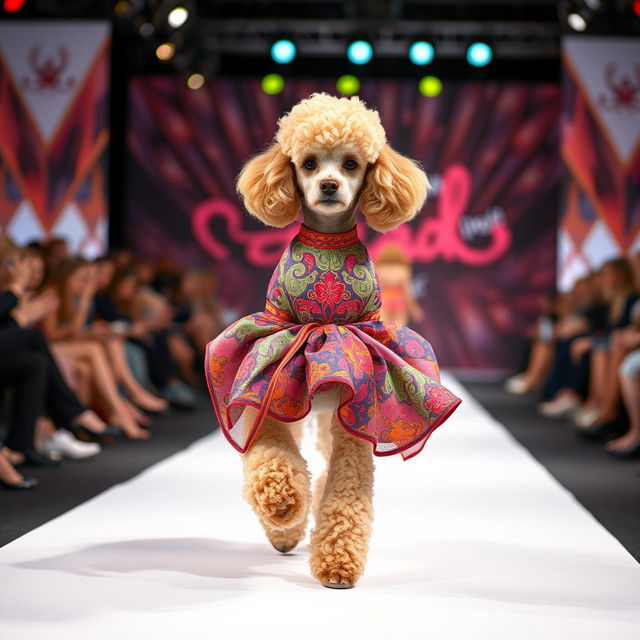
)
(576, 22)
(177, 17)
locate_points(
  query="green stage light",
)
(272, 83)
(430, 86)
(348, 85)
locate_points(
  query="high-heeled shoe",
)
(34, 458)
(21, 485)
(110, 431)
(628, 453)
(604, 431)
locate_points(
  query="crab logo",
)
(624, 90)
(48, 70)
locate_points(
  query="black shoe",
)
(604, 431)
(21, 485)
(32, 457)
(110, 431)
(629, 453)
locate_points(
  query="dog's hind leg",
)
(277, 483)
(340, 539)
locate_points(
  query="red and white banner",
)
(54, 132)
(600, 213)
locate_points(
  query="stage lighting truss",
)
(331, 38)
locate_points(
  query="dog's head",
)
(331, 153)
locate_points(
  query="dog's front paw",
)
(278, 488)
(284, 540)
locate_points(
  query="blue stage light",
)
(421, 53)
(479, 54)
(283, 51)
(360, 52)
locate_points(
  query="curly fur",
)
(395, 190)
(277, 482)
(340, 539)
(326, 121)
(267, 188)
(396, 187)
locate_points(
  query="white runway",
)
(473, 539)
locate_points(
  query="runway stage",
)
(472, 539)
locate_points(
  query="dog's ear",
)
(394, 192)
(266, 186)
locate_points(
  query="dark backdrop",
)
(484, 246)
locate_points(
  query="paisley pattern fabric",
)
(321, 328)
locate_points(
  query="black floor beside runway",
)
(76, 481)
(607, 487)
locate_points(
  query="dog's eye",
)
(309, 164)
(350, 165)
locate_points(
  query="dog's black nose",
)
(328, 186)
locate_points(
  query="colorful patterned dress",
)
(321, 327)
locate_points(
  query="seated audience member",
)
(590, 353)
(27, 366)
(55, 252)
(58, 443)
(148, 319)
(196, 309)
(73, 333)
(555, 308)
(627, 445)
(609, 347)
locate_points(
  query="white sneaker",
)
(63, 443)
(516, 385)
(585, 417)
(559, 408)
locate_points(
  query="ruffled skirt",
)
(387, 376)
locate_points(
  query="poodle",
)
(329, 159)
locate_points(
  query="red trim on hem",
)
(319, 240)
(380, 454)
(263, 411)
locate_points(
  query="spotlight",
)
(283, 51)
(146, 29)
(195, 81)
(479, 54)
(121, 8)
(177, 17)
(12, 6)
(347, 85)
(430, 86)
(421, 53)
(576, 22)
(272, 83)
(360, 52)
(165, 51)
(636, 7)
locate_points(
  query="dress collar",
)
(321, 240)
